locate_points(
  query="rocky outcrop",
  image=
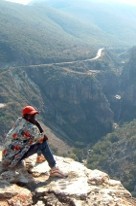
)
(128, 88)
(75, 102)
(78, 100)
(82, 187)
(71, 101)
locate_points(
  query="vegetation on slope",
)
(16, 91)
(116, 21)
(38, 33)
(71, 102)
(31, 35)
(116, 154)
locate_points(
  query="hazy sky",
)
(122, 1)
(20, 1)
(117, 1)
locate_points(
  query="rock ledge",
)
(82, 187)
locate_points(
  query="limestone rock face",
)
(128, 87)
(71, 102)
(76, 104)
(82, 187)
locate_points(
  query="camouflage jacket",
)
(18, 141)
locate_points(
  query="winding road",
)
(98, 55)
(2, 105)
(90, 72)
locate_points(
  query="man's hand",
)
(42, 139)
(45, 137)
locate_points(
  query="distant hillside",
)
(128, 88)
(117, 22)
(79, 100)
(116, 155)
(44, 32)
(71, 101)
(32, 35)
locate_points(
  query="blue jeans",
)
(45, 150)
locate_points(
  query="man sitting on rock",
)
(25, 139)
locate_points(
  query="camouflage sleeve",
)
(12, 131)
(36, 134)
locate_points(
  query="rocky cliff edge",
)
(82, 187)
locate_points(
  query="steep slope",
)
(72, 102)
(20, 91)
(116, 21)
(128, 88)
(29, 36)
(78, 100)
(116, 155)
(43, 33)
(70, 96)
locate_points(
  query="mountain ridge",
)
(43, 34)
(120, 16)
(43, 44)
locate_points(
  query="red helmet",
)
(29, 110)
